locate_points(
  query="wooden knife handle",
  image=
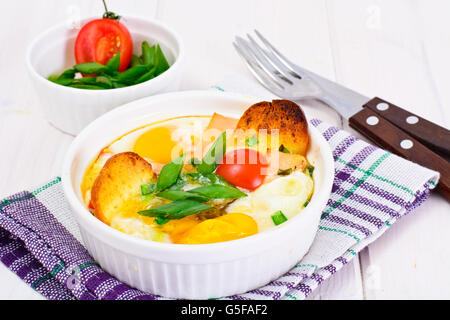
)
(389, 137)
(430, 134)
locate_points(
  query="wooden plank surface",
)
(395, 49)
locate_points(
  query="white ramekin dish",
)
(191, 271)
(71, 109)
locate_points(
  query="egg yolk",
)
(156, 144)
(225, 228)
(177, 228)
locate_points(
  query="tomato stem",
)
(108, 14)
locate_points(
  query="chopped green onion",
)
(284, 172)
(195, 162)
(278, 218)
(148, 188)
(148, 197)
(310, 170)
(176, 210)
(150, 64)
(114, 63)
(252, 141)
(90, 68)
(284, 149)
(218, 191)
(209, 178)
(160, 220)
(214, 155)
(175, 195)
(170, 173)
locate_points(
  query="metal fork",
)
(290, 81)
(386, 124)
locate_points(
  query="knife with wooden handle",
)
(391, 127)
(430, 134)
(386, 124)
(390, 137)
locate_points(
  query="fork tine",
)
(280, 58)
(244, 45)
(263, 76)
(267, 63)
(258, 72)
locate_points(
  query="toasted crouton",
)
(116, 191)
(284, 115)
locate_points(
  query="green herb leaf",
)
(90, 68)
(114, 63)
(95, 81)
(194, 161)
(65, 82)
(179, 184)
(160, 61)
(278, 218)
(284, 149)
(68, 74)
(147, 197)
(310, 170)
(147, 76)
(148, 188)
(284, 172)
(116, 85)
(148, 54)
(175, 195)
(252, 141)
(131, 75)
(208, 178)
(65, 78)
(105, 81)
(161, 221)
(86, 86)
(218, 191)
(53, 78)
(136, 61)
(176, 210)
(214, 155)
(169, 173)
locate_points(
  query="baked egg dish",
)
(204, 179)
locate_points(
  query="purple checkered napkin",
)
(41, 243)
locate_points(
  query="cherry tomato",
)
(99, 40)
(243, 168)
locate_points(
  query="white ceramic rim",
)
(90, 222)
(161, 78)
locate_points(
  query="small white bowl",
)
(71, 109)
(191, 271)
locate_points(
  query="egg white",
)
(184, 129)
(287, 194)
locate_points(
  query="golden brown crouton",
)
(117, 189)
(284, 115)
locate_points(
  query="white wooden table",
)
(398, 50)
